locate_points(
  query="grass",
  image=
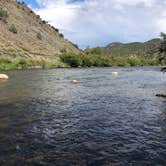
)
(29, 63)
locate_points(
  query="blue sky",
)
(99, 22)
(32, 3)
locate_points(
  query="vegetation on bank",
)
(90, 58)
(78, 60)
(29, 63)
(81, 60)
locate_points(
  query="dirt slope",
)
(34, 37)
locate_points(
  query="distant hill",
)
(23, 33)
(149, 48)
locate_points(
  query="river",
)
(103, 120)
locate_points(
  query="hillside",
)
(149, 48)
(25, 34)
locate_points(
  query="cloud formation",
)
(98, 22)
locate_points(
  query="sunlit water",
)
(104, 120)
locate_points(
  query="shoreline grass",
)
(29, 63)
(67, 60)
(81, 60)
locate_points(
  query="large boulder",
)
(74, 81)
(4, 76)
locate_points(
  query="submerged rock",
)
(4, 76)
(161, 95)
(115, 73)
(74, 81)
(163, 69)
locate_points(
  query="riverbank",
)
(29, 63)
(81, 60)
(77, 60)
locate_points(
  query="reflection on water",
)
(102, 120)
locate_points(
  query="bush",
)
(93, 51)
(134, 61)
(87, 61)
(63, 50)
(39, 36)
(13, 28)
(22, 63)
(44, 22)
(61, 35)
(37, 16)
(3, 15)
(55, 29)
(4, 60)
(77, 60)
(71, 59)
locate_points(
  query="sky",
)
(100, 22)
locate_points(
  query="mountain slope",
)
(23, 33)
(149, 48)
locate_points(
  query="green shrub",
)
(4, 60)
(134, 61)
(87, 61)
(39, 36)
(22, 63)
(3, 15)
(71, 59)
(55, 29)
(93, 51)
(44, 22)
(13, 29)
(37, 16)
(63, 50)
(61, 35)
(77, 60)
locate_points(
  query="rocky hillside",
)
(23, 33)
(149, 48)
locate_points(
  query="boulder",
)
(163, 69)
(161, 95)
(74, 81)
(4, 76)
(115, 73)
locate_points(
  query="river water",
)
(104, 120)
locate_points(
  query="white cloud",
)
(161, 23)
(98, 22)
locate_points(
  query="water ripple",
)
(100, 121)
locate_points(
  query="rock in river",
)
(74, 81)
(161, 95)
(4, 76)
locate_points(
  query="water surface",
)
(104, 120)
